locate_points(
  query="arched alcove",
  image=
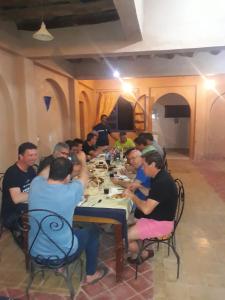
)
(53, 123)
(216, 123)
(171, 123)
(8, 153)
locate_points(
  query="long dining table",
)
(110, 208)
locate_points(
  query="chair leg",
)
(169, 247)
(136, 270)
(81, 268)
(178, 260)
(31, 278)
(68, 279)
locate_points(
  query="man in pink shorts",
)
(156, 214)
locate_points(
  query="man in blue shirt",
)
(61, 195)
(141, 184)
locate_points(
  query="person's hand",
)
(129, 168)
(134, 185)
(128, 194)
(123, 172)
(114, 180)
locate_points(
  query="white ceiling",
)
(152, 38)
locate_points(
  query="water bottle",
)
(108, 158)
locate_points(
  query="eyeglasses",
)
(65, 153)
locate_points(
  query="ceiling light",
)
(43, 34)
(127, 87)
(116, 74)
(209, 84)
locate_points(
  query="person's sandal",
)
(103, 271)
(140, 260)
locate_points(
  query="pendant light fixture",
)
(43, 34)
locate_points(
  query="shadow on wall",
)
(216, 138)
(8, 151)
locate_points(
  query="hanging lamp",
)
(43, 34)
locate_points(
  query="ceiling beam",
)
(130, 18)
(38, 11)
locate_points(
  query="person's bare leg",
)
(133, 237)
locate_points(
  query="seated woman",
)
(157, 213)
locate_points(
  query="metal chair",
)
(169, 240)
(165, 160)
(38, 225)
(1, 225)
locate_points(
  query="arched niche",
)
(84, 114)
(188, 94)
(216, 124)
(8, 153)
(53, 124)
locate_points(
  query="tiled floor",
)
(201, 244)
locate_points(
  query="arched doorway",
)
(171, 124)
(53, 123)
(8, 152)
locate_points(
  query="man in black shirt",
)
(157, 213)
(103, 131)
(89, 146)
(16, 184)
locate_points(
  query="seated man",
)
(150, 142)
(16, 184)
(60, 150)
(61, 195)
(142, 144)
(77, 149)
(89, 147)
(142, 183)
(158, 211)
(124, 143)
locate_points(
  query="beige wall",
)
(85, 93)
(23, 115)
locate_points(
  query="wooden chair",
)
(169, 240)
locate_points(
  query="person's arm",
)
(145, 206)
(94, 153)
(83, 177)
(45, 172)
(113, 136)
(122, 183)
(81, 156)
(137, 185)
(127, 173)
(18, 196)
